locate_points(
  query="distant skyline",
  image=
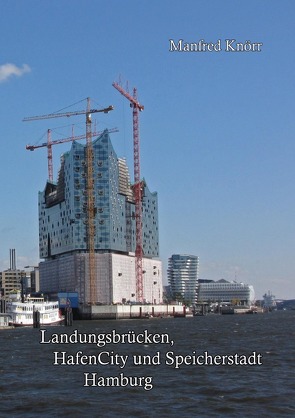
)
(217, 131)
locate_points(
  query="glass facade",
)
(63, 206)
(183, 276)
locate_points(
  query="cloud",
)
(8, 70)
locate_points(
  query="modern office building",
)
(63, 229)
(226, 292)
(183, 276)
(12, 280)
(32, 278)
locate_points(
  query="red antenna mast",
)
(137, 107)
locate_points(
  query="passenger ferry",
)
(22, 312)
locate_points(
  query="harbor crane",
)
(136, 108)
(49, 144)
(89, 186)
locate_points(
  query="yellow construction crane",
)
(89, 186)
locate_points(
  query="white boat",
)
(33, 311)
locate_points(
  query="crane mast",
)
(49, 155)
(136, 108)
(89, 185)
(90, 207)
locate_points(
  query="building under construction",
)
(106, 273)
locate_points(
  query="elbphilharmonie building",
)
(63, 229)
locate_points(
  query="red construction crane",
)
(89, 186)
(137, 107)
(49, 144)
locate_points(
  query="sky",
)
(216, 134)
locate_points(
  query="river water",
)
(31, 385)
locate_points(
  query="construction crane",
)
(137, 107)
(68, 114)
(49, 144)
(89, 186)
